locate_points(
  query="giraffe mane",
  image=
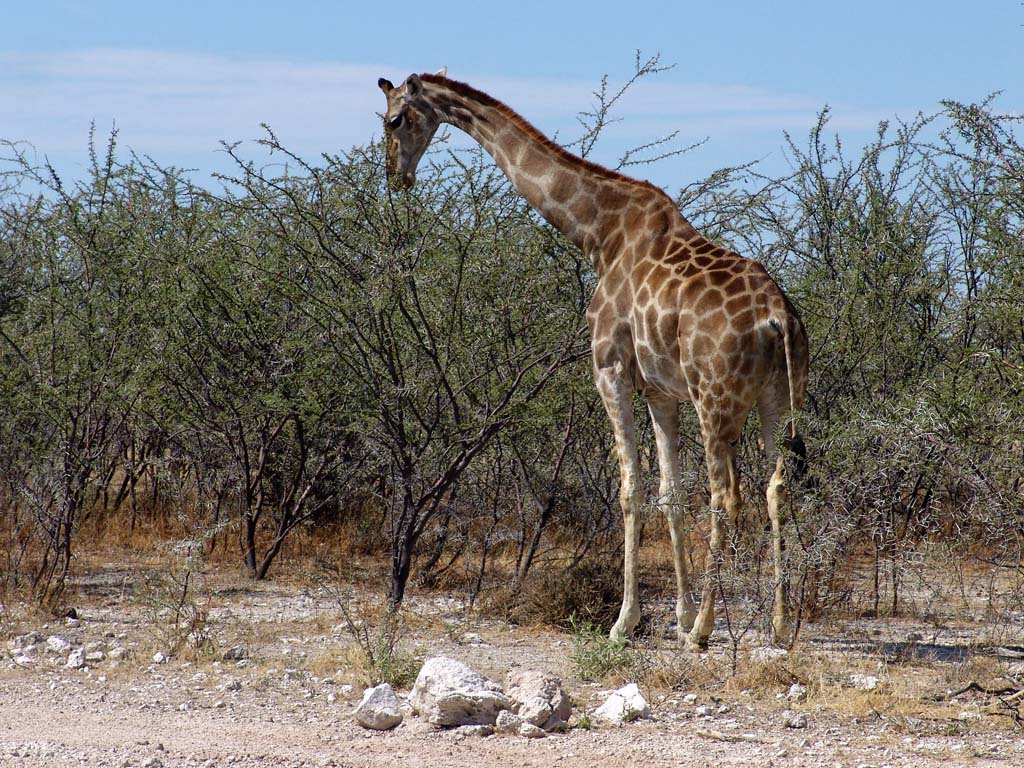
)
(489, 101)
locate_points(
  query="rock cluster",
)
(449, 694)
(60, 650)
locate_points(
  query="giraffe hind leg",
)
(720, 455)
(772, 407)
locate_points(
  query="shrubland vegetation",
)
(299, 353)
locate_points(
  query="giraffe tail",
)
(793, 442)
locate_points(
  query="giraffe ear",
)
(413, 86)
(385, 85)
(442, 72)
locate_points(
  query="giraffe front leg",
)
(617, 393)
(665, 418)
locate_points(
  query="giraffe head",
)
(410, 123)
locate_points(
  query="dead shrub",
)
(590, 591)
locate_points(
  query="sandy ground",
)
(288, 702)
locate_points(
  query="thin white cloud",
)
(167, 103)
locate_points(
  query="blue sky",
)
(176, 78)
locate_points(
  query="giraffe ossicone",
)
(674, 317)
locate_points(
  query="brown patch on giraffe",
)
(669, 289)
(528, 187)
(687, 269)
(713, 322)
(584, 208)
(709, 301)
(533, 163)
(643, 295)
(735, 285)
(564, 187)
(718, 277)
(702, 262)
(747, 364)
(611, 197)
(668, 327)
(632, 218)
(685, 324)
(744, 320)
(651, 317)
(603, 352)
(704, 247)
(737, 304)
(659, 274)
(701, 346)
(613, 243)
(675, 251)
(661, 222)
(729, 343)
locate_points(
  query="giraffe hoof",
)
(782, 633)
(618, 634)
(695, 644)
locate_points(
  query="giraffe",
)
(673, 318)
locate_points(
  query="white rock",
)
(864, 682)
(57, 644)
(379, 708)
(539, 699)
(531, 731)
(797, 692)
(25, 641)
(117, 654)
(159, 658)
(704, 711)
(627, 703)
(794, 719)
(690, 698)
(94, 656)
(76, 659)
(479, 731)
(508, 722)
(447, 692)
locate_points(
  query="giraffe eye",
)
(396, 121)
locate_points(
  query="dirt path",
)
(287, 702)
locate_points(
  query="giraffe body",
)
(673, 317)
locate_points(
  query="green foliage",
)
(596, 656)
(305, 345)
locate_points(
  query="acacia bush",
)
(297, 346)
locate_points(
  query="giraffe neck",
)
(592, 206)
